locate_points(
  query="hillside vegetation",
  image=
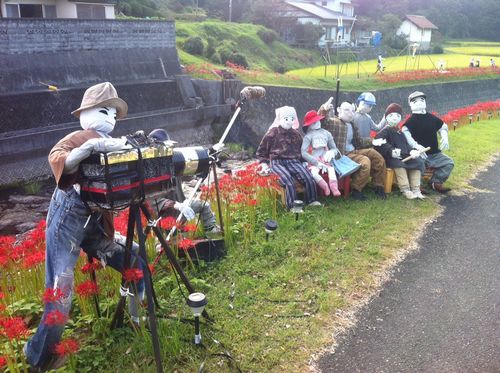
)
(252, 46)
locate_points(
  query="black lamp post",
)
(297, 208)
(197, 302)
(270, 227)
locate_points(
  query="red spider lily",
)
(4, 260)
(252, 202)
(121, 222)
(55, 318)
(239, 198)
(52, 295)
(87, 289)
(91, 267)
(133, 274)
(3, 307)
(168, 223)
(186, 244)
(33, 260)
(67, 346)
(13, 328)
(190, 227)
(152, 268)
(3, 361)
(2, 295)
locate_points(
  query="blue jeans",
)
(64, 236)
(443, 166)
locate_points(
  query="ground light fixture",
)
(297, 208)
(270, 227)
(197, 302)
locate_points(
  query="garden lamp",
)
(270, 227)
(197, 302)
(297, 208)
(471, 116)
(455, 124)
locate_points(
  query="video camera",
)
(115, 180)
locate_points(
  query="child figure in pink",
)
(318, 149)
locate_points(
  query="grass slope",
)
(276, 303)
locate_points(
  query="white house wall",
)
(415, 34)
(109, 11)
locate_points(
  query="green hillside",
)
(237, 42)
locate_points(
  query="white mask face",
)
(287, 121)
(346, 112)
(393, 119)
(100, 119)
(315, 126)
(418, 105)
(364, 108)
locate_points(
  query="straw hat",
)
(102, 94)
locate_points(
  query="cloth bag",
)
(344, 166)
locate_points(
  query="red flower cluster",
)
(133, 274)
(186, 244)
(87, 289)
(190, 227)
(55, 318)
(434, 74)
(91, 267)
(29, 253)
(3, 361)
(242, 187)
(67, 346)
(168, 222)
(52, 295)
(13, 328)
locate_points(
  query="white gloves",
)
(379, 142)
(414, 154)
(330, 154)
(185, 210)
(263, 169)
(327, 106)
(420, 148)
(323, 167)
(396, 153)
(102, 144)
(444, 144)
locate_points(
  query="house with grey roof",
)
(417, 30)
(335, 16)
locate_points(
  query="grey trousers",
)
(442, 164)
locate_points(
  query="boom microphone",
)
(252, 93)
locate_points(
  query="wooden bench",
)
(390, 178)
(344, 187)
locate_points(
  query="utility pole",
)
(230, 10)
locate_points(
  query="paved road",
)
(441, 311)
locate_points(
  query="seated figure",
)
(280, 152)
(396, 149)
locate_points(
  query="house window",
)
(49, 11)
(31, 10)
(87, 11)
(12, 10)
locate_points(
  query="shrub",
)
(437, 49)
(194, 45)
(210, 50)
(267, 36)
(238, 59)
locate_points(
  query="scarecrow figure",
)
(362, 119)
(280, 152)
(71, 225)
(421, 131)
(318, 149)
(396, 149)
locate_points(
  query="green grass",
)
(288, 291)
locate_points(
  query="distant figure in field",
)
(441, 65)
(472, 62)
(478, 62)
(492, 63)
(380, 65)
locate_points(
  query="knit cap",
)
(394, 108)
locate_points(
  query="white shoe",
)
(418, 194)
(409, 194)
(315, 204)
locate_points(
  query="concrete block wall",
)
(72, 52)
